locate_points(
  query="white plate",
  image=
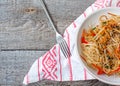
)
(93, 20)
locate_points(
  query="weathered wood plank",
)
(15, 64)
(21, 28)
(73, 83)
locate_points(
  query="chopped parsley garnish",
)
(104, 23)
(93, 28)
(106, 66)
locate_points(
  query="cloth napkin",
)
(53, 65)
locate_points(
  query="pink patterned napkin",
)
(53, 65)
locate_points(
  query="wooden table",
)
(25, 35)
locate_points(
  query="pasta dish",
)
(101, 45)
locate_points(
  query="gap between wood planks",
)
(24, 49)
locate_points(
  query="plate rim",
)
(78, 29)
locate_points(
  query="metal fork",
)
(60, 40)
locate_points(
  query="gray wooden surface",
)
(25, 35)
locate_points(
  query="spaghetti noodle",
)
(101, 45)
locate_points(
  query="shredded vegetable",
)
(101, 45)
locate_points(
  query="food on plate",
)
(101, 45)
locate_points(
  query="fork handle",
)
(48, 16)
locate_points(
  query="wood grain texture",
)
(74, 83)
(15, 64)
(23, 28)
